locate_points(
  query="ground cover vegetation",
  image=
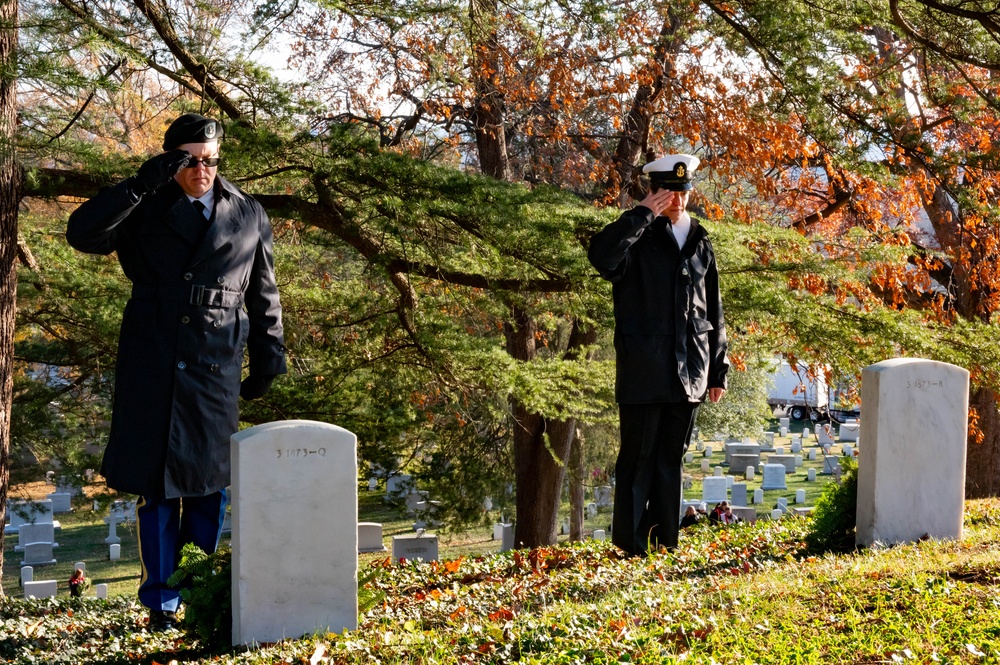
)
(740, 594)
(434, 176)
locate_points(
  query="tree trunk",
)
(10, 195)
(634, 138)
(982, 465)
(488, 112)
(541, 446)
(577, 474)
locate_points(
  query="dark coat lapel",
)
(184, 220)
(225, 223)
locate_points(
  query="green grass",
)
(740, 594)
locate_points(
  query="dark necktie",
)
(200, 207)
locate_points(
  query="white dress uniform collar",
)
(681, 229)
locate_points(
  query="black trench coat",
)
(670, 337)
(202, 291)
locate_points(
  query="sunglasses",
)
(209, 162)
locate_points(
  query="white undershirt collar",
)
(207, 199)
(681, 228)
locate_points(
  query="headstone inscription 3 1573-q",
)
(295, 534)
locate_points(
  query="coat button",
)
(188, 276)
(221, 279)
(182, 365)
(216, 324)
(185, 319)
(214, 367)
(684, 271)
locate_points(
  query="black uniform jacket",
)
(201, 292)
(670, 338)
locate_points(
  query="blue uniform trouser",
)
(648, 473)
(166, 525)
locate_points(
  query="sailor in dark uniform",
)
(670, 345)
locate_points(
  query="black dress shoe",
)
(162, 620)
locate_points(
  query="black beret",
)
(191, 128)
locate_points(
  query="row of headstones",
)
(725, 488)
(37, 540)
(35, 528)
(738, 462)
(848, 431)
(48, 588)
(748, 447)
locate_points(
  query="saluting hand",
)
(158, 171)
(658, 201)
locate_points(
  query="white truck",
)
(801, 394)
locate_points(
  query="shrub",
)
(835, 517)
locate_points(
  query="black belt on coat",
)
(196, 294)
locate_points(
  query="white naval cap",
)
(672, 172)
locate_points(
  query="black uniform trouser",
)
(654, 438)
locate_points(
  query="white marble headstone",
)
(717, 471)
(714, 489)
(758, 496)
(785, 422)
(370, 537)
(40, 589)
(114, 551)
(774, 477)
(295, 509)
(62, 502)
(824, 435)
(706, 465)
(751, 471)
(39, 532)
(738, 492)
(850, 431)
(911, 476)
(27, 574)
(101, 591)
(38, 554)
(411, 546)
(738, 463)
(800, 496)
(811, 475)
(27, 512)
(787, 461)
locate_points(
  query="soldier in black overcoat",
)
(198, 252)
(670, 348)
